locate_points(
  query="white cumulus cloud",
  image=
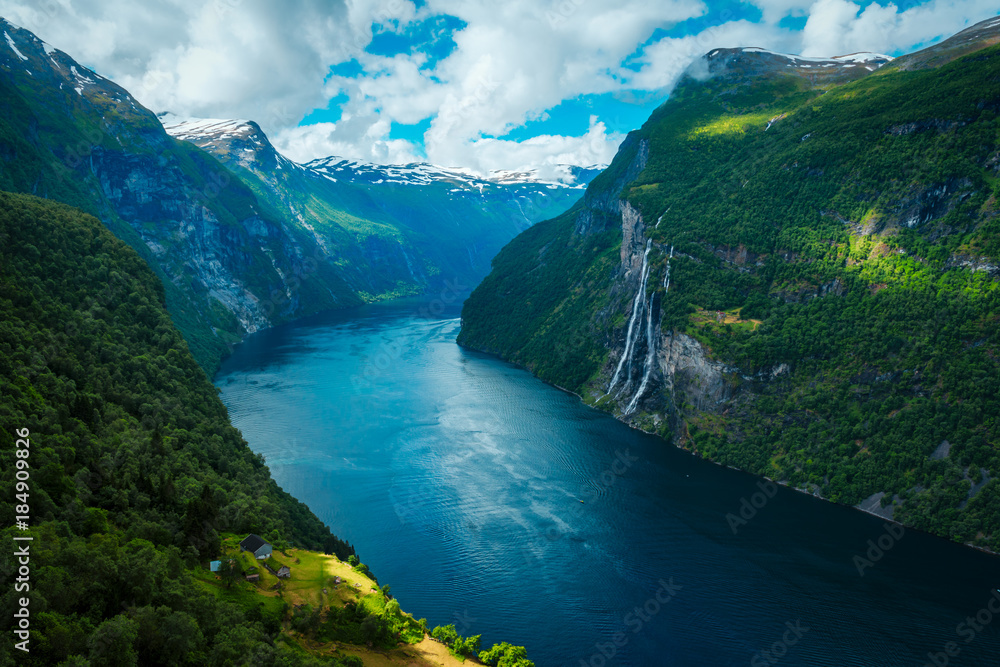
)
(513, 62)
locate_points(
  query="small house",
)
(215, 565)
(256, 545)
(284, 572)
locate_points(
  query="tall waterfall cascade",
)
(643, 308)
(650, 360)
(632, 333)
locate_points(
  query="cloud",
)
(837, 27)
(663, 61)
(543, 153)
(501, 66)
(308, 142)
(511, 65)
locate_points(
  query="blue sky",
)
(635, 76)
(523, 84)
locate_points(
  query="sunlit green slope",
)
(831, 317)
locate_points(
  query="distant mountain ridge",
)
(757, 62)
(214, 133)
(391, 229)
(242, 237)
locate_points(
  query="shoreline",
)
(703, 458)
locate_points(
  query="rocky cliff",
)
(391, 228)
(231, 265)
(242, 237)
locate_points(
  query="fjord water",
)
(458, 478)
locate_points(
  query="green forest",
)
(132, 478)
(844, 220)
(134, 469)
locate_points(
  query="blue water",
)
(459, 477)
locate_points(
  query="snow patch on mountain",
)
(862, 58)
(197, 128)
(208, 131)
(10, 43)
(82, 78)
(421, 173)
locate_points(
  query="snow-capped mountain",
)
(392, 227)
(244, 140)
(751, 63)
(868, 60)
(241, 237)
(422, 173)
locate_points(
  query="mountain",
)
(228, 262)
(244, 239)
(792, 268)
(390, 229)
(133, 480)
(133, 471)
(976, 37)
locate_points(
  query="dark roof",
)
(252, 542)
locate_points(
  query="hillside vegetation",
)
(849, 232)
(134, 480)
(134, 467)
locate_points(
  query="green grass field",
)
(313, 592)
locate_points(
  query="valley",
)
(242, 237)
(730, 397)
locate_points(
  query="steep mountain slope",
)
(127, 479)
(262, 241)
(791, 273)
(389, 229)
(983, 34)
(132, 468)
(231, 266)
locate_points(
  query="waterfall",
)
(660, 219)
(647, 366)
(666, 276)
(630, 339)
